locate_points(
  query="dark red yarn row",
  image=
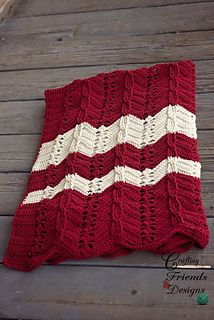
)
(165, 217)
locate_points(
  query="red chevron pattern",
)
(122, 198)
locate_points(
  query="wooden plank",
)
(17, 154)
(99, 292)
(17, 159)
(30, 115)
(21, 117)
(13, 186)
(64, 310)
(20, 159)
(137, 258)
(30, 84)
(45, 7)
(133, 21)
(204, 110)
(52, 50)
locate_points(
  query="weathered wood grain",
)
(137, 258)
(133, 21)
(62, 309)
(51, 50)
(45, 7)
(21, 117)
(30, 84)
(30, 115)
(93, 293)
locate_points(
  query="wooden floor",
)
(45, 44)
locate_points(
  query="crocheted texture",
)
(117, 170)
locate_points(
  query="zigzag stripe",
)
(88, 140)
(118, 174)
(186, 148)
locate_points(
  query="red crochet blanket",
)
(117, 170)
